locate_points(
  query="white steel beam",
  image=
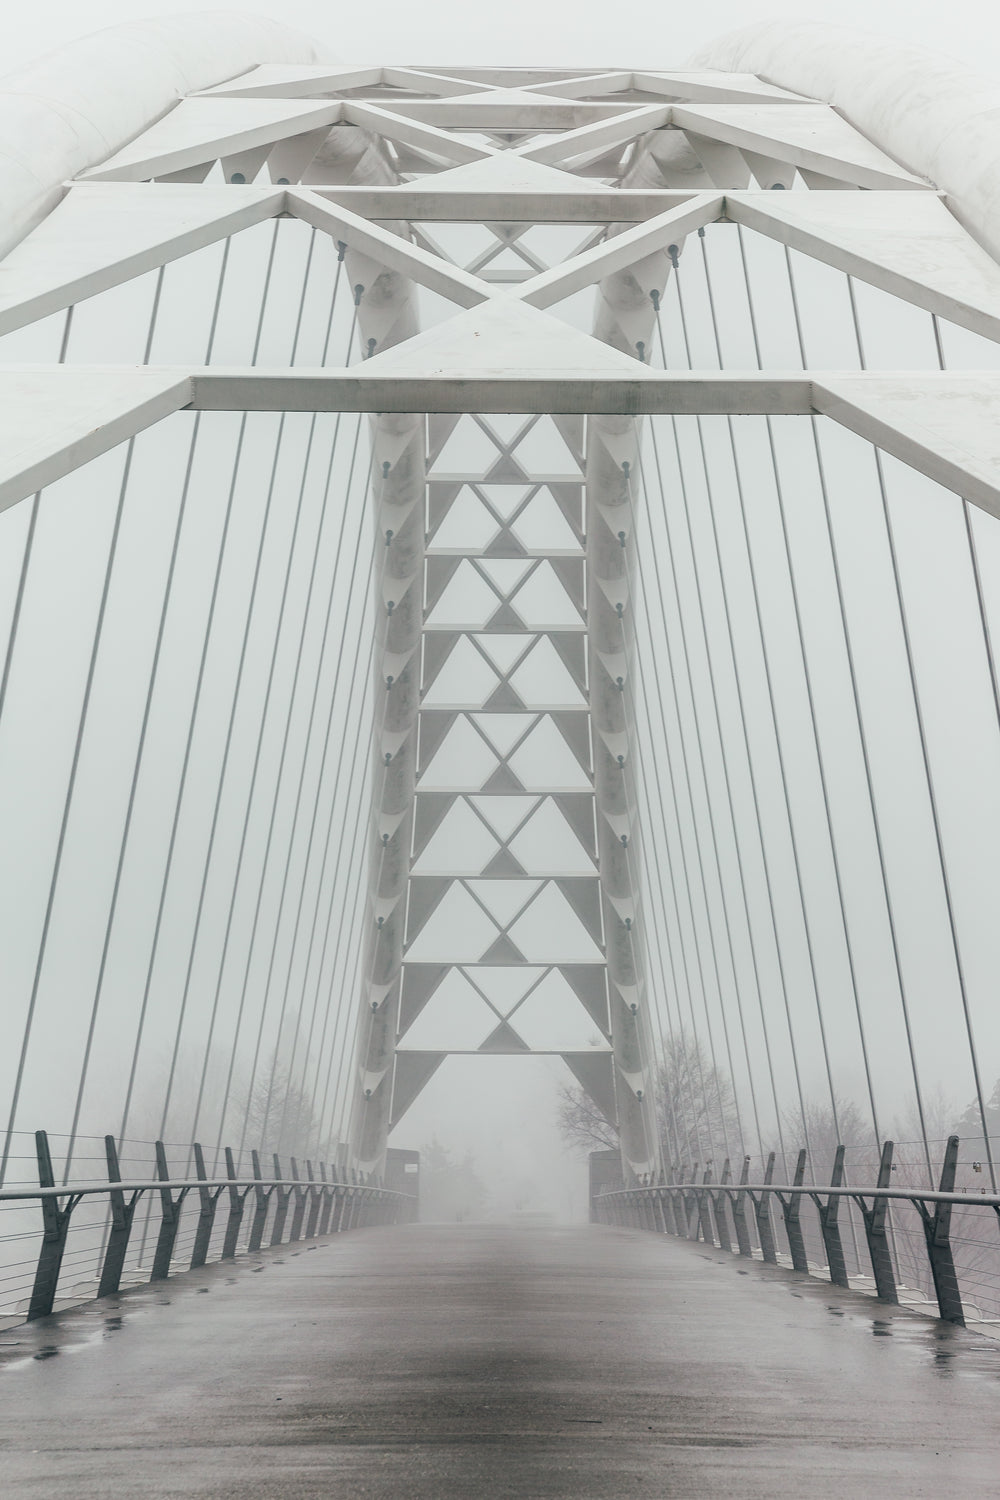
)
(293, 81)
(591, 140)
(906, 243)
(200, 130)
(389, 249)
(414, 133)
(103, 234)
(435, 200)
(620, 251)
(804, 135)
(53, 421)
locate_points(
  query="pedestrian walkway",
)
(458, 1362)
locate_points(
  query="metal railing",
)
(306, 1206)
(693, 1210)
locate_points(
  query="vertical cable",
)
(195, 706)
(67, 806)
(745, 735)
(275, 939)
(866, 759)
(336, 780)
(928, 777)
(699, 745)
(29, 543)
(289, 717)
(820, 762)
(147, 708)
(237, 688)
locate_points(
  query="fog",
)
(774, 1000)
(452, 32)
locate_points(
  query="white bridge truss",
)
(509, 456)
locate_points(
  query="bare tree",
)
(580, 1121)
(695, 1109)
(823, 1128)
(280, 1116)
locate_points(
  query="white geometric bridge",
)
(499, 563)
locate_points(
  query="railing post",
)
(739, 1202)
(791, 1209)
(328, 1195)
(206, 1216)
(690, 1201)
(658, 1196)
(55, 1221)
(670, 1203)
(281, 1212)
(263, 1201)
(170, 1218)
(721, 1223)
(829, 1227)
(339, 1202)
(878, 1242)
(315, 1198)
(762, 1208)
(705, 1209)
(237, 1203)
(122, 1214)
(353, 1202)
(937, 1232)
(299, 1212)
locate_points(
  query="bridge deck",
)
(477, 1361)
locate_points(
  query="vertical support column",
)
(625, 319)
(299, 1212)
(55, 1220)
(262, 1197)
(937, 1232)
(237, 1203)
(669, 1203)
(612, 458)
(740, 1214)
(659, 1209)
(327, 1195)
(339, 1204)
(791, 1208)
(721, 1223)
(705, 1209)
(122, 1214)
(283, 1194)
(829, 1227)
(762, 1206)
(690, 1201)
(387, 313)
(315, 1199)
(878, 1240)
(206, 1214)
(170, 1218)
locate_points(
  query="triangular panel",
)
(595, 1072)
(413, 1071)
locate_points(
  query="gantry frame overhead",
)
(377, 158)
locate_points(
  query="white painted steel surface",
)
(368, 174)
(935, 116)
(74, 107)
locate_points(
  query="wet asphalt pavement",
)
(453, 1362)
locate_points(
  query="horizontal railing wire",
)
(63, 1243)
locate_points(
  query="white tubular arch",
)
(934, 116)
(80, 104)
